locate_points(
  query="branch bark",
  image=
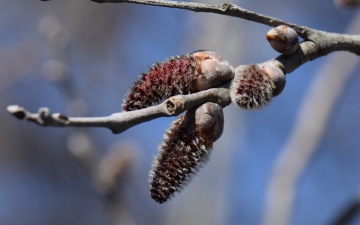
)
(119, 122)
(228, 9)
(325, 41)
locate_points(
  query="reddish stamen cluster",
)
(181, 154)
(252, 88)
(185, 148)
(172, 77)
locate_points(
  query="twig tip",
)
(12, 108)
(16, 111)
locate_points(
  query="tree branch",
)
(228, 9)
(325, 41)
(307, 52)
(317, 43)
(119, 122)
(330, 42)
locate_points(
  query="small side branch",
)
(119, 122)
(307, 51)
(228, 9)
(324, 40)
(329, 42)
(310, 50)
(43, 117)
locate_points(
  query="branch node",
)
(225, 6)
(175, 105)
(63, 118)
(17, 111)
(44, 116)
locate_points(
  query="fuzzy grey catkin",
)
(254, 85)
(185, 148)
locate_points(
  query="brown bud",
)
(209, 120)
(185, 148)
(213, 70)
(283, 39)
(276, 76)
(254, 85)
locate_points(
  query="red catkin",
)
(185, 148)
(184, 74)
(174, 76)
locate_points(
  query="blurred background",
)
(295, 162)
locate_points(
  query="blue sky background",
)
(108, 46)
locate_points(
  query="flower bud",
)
(184, 74)
(209, 120)
(213, 70)
(185, 148)
(254, 85)
(283, 39)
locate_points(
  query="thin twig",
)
(119, 122)
(325, 41)
(228, 9)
